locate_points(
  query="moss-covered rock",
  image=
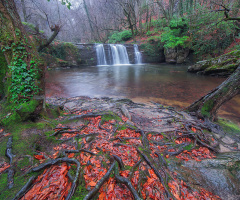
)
(62, 54)
(27, 109)
(221, 66)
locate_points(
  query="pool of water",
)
(166, 84)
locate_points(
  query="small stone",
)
(238, 145)
(228, 140)
(70, 105)
(224, 149)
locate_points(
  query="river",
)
(166, 84)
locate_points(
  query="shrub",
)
(210, 34)
(120, 36)
(176, 34)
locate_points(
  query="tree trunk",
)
(25, 72)
(208, 105)
(24, 10)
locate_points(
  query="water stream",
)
(138, 55)
(101, 54)
(166, 84)
(116, 54)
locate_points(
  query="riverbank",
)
(131, 150)
(170, 85)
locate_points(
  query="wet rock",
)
(221, 66)
(176, 55)
(70, 105)
(224, 149)
(220, 175)
(228, 140)
(125, 112)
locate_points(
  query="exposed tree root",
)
(45, 165)
(24, 188)
(8, 152)
(168, 195)
(94, 191)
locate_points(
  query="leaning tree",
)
(208, 105)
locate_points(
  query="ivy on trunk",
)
(25, 71)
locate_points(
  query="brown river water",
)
(169, 85)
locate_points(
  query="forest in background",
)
(105, 151)
(204, 26)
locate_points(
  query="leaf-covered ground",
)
(104, 155)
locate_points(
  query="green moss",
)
(205, 111)
(19, 182)
(228, 126)
(152, 48)
(31, 26)
(80, 191)
(27, 108)
(109, 117)
(3, 182)
(24, 162)
(3, 64)
(214, 67)
(11, 119)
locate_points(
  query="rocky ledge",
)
(221, 66)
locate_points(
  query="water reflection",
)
(166, 84)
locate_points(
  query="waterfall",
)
(101, 57)
(116, 54)
(138, 55)
(119, 54)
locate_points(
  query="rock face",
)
(221, 66)
(61, 54)
(176, 55)
(152, 52)
(88, 54)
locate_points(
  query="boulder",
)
(221, 66)
(176, 55)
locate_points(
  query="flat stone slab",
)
(228, 140)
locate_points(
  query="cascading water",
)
(138, 55)
(101, 57)
(119, 54)
(116, 54)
